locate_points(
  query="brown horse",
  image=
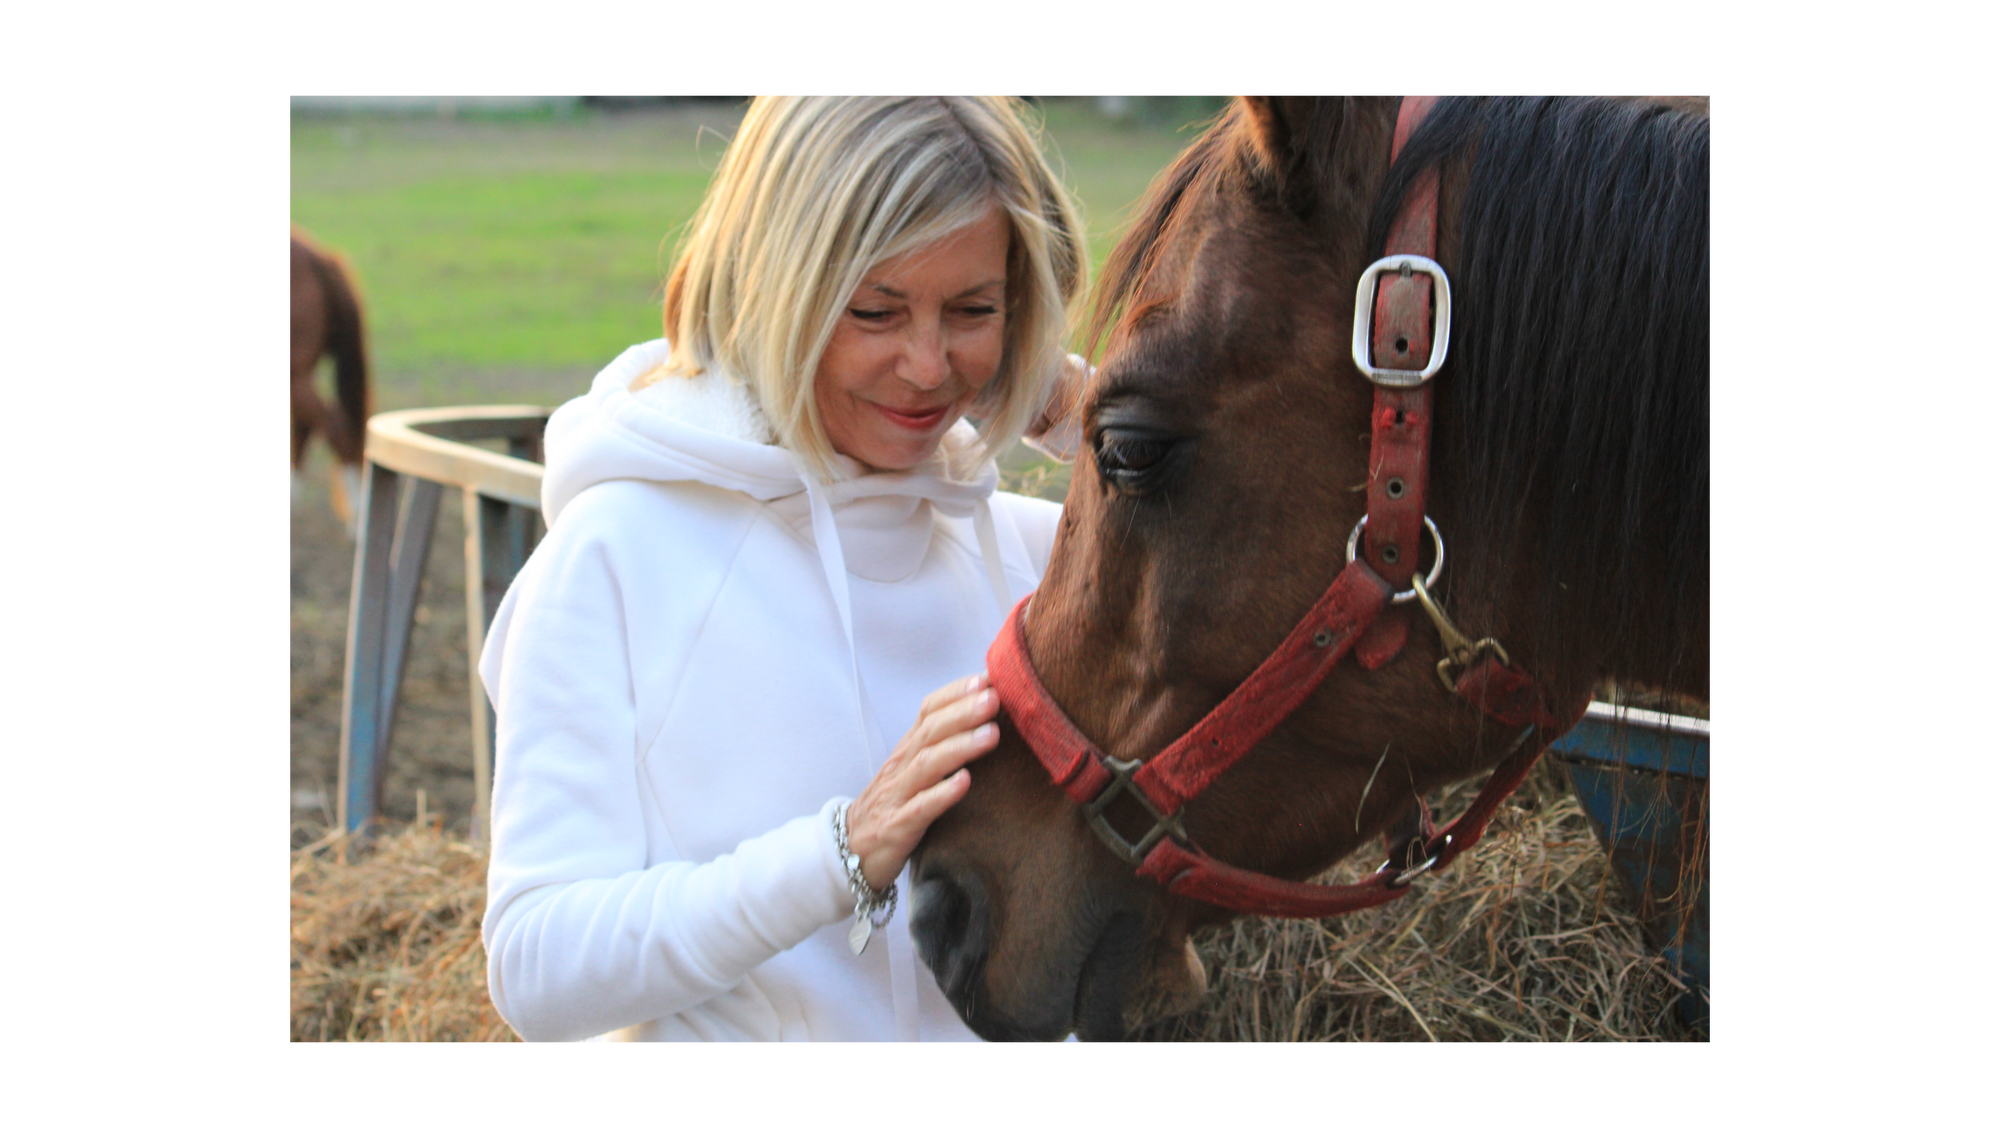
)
(326, 321)
(1227, 437)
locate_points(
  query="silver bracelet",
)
(872, 910)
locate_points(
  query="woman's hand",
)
(1057, 430)
(923, 778)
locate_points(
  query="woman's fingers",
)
(928, 805)
(923, 777)
(949, 717)
(937, 761)
(926, 730)
(955, 690)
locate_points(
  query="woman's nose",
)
(925, 361)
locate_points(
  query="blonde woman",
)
(774, 543)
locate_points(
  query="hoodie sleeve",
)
(582, 935)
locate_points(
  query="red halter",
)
(1353, 615)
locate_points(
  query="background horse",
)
(326, 321)
(1228, 453)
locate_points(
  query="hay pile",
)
(385, 940)
(1527, 938)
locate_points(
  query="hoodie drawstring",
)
(989, 551)
(835, 565)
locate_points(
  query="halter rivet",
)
(1395, 487)
(1322, 638)
(1390, 554)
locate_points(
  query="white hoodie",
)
(708, 652)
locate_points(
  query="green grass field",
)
(507, 258)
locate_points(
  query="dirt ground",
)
(431, 746)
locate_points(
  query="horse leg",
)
(346, 425)
(309, 413)
(291, 451)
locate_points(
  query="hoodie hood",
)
(708, 428)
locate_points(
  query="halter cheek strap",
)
(1351, 616)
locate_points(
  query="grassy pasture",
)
(506, 258)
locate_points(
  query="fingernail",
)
(988, 732)
(973, 683)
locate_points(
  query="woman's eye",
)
(869, 313)
(979, 310)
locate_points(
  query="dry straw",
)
(385, 939)
(1526, 938)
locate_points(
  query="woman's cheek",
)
(991, 347)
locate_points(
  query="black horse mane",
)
(1577, 381)
(1578, 372)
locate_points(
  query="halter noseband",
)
(1393, 324)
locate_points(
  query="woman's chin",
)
(898, 454)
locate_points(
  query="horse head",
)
(1227, 437)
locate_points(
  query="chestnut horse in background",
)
(326, 321)
(1226, 456)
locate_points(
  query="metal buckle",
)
(1413, 872)
(1431, 578)
(1364, 319)
(1121, 780)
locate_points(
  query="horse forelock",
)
(1130, 266)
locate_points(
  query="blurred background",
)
(505, 250)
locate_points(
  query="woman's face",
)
(917, 341)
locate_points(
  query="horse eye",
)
(1131, 459)
(1129, 453)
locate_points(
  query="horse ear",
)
(1273, 123)
(1279, 128)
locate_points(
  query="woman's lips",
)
(915, 420)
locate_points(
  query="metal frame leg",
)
(390, 552)
(361, 700)
(414, 528)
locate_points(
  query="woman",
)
(769, 543)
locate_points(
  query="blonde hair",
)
(813, 193)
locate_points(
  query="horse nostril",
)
(948, 921)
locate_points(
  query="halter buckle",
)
(1121, 781)
(1364, 319)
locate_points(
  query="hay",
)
(1527, 938)
(385, 939)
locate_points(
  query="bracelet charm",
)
(872, 910)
